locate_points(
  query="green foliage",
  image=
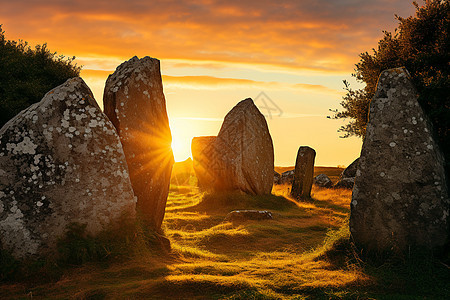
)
(421, 44)
(27, 74)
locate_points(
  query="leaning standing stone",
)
(303, 173)
(134, 102)
(61, 161)
(243, 152)
(400, 196)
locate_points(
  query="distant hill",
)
(183, 170)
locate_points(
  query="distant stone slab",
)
(303, 173)
(201, 148)
(61, 161)
(241, 215)
(322, 180)
(345, 183)
(276, 177)
(350, 171)
(287, 177)
(134, 101)
(241, 157)
(400, 198)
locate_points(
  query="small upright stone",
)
(303, 173)
(134, 102)
(61, 161)
(400, 198)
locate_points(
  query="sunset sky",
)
(215, 53)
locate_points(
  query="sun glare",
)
(180, 150)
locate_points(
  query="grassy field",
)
(303, 253)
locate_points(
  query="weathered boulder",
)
(322, 180)
(243, 215)
(241, 157)
(276, 177)
(350, 171)
(400, 197)
(203, 158)
(303, 173)
(61, 161)
(287, 177)
(345, 183)
(134, 102)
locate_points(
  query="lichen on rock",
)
(58, 170)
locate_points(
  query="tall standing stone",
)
(303, 173)
(400, 196)
(61, 161)
(134, 102)
(241, 157)
(244, 151)
(201, 148)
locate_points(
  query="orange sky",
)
(216, 53)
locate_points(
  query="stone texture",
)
(350, 171)
(134, 101)
(345, 183)
(287, 177)
(241, 157)
(201, 148)
(322, 180)
(276, 177)
(61, 161)
(243, 215)
(303, 173)
(400, 197)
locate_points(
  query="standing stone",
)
(245, 159)
(241, 156)
(201, 148)
(134, 102)
(303, 173)
(400, 196)
(61, 161)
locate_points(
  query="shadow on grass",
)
(227, 201)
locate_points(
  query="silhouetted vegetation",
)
(421, 44)
(27, 74)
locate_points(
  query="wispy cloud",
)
(319, 35)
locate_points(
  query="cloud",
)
(314, 35)
(215, 83)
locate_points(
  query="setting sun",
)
(180, 150)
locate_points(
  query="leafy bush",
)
(421, 44)
(27, 74)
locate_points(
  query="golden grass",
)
(283, 258)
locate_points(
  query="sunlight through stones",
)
(135, 102)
